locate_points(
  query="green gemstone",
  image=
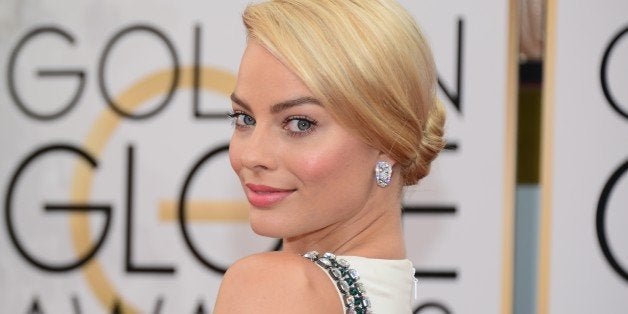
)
(354, 291)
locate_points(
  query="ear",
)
(384, 157)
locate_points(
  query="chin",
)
(267, 229)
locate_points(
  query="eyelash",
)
(233, 116)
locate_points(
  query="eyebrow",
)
(279, 107)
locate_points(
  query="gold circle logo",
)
(130, 100)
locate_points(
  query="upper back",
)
(276, 282)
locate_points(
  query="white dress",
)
(389, 283)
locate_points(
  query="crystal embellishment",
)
(335, 273)
(347, 280)
(312, 256)
(325, 262)
(343, 263)
(343, 286)
(360, 287)
(354, 274)
(383, 173)
(349, 300)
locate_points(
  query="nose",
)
(256, 149)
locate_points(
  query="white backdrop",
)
(103, 139)
(584, 257)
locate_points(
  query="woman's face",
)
(300, 169)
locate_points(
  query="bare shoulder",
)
(276, 282)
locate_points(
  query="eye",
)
(245, 119)
(299, 125)
(241, 119)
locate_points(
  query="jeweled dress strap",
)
(347, 281)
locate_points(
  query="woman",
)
(334, 111)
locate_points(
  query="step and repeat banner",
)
(116, 190)
(584, 243)
(458, 221)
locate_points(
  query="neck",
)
(376, 233)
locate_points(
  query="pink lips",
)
(265, 196)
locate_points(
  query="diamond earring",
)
(383, 173)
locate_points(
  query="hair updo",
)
(369, 65)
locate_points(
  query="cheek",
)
(332, 166)
(316, 167)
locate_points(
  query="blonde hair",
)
(368, 64)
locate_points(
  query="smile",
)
(265, 196)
